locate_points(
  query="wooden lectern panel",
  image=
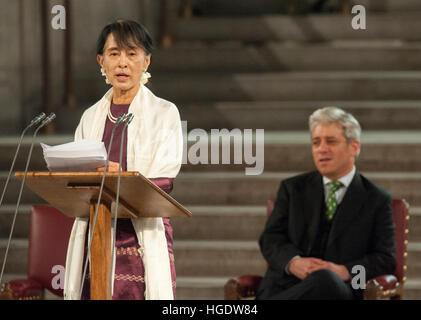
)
(100, 252)
(72, 193)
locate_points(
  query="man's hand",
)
(340, 270)
(302, 267)
(112, 167)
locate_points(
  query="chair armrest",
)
(244, 287)
(24, 289)
(383, 287)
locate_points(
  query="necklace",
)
(110, 116)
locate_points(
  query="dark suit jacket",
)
(362, 231)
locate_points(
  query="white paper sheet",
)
(84, 155)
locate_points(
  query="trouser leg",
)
(320, 285)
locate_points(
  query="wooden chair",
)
(48, 239)
(382, 287)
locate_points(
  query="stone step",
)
(208, 223)
(414, 260)
(245, 223)
(283, 150)
(313, 28)
(415, 224)
(390, 5)
(200, 288)
(21, 229)
(224, 258)
(17, 258)
(217, 258)
(232, 188)
(289, 86)
(279, 56)
(234, 7)
(291, 151)
(258, 7)
(221, 223)
(13, 188)
(293, 115)
(8, 146)
(412, 289)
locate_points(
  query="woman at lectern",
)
(144, 261)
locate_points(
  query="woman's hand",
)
(112, 167)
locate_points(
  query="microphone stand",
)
(127, 121)
(120, 119)
(44, 122)
(34, 121)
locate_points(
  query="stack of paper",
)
(84, 155)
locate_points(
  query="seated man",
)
(328, 221)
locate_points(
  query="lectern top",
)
(73, 192)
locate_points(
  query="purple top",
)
(116, 111)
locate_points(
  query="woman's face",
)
(124, 67)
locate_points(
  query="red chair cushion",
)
(251, 282)
(48, 239)
(21, 289)
(388, 282)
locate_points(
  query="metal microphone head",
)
(38, 118)
(50, 118)
(129, 118)
(120, 119)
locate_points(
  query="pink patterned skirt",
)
(129, 274)
(129, 280)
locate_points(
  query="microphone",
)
(43, 123)
(34, 121)
(37, 119)
(127, 121)
(120, 119)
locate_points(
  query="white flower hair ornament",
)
(105, 75)
(144, 78)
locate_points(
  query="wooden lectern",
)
(76, 195)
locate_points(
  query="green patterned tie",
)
(332, 203)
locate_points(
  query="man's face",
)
(333, 156)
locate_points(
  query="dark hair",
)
(126, 33)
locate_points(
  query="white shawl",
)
(154, 148)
